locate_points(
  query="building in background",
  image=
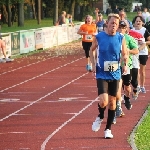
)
(101, 4)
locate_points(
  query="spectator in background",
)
(67, 18)
(139, 13)
(109, 10)
(3, 48)
(116, 10)
(62, 18)
(70, 20)
(145, 15)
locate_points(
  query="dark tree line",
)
(18, 10)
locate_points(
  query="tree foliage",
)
(126, 4)
(146, 3)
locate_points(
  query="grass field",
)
(142, 134)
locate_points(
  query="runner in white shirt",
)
(138, 22)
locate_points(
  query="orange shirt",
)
(91, 29)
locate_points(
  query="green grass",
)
(28, 24)
(48, 22)
(142, 136)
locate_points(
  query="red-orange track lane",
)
(51, 105)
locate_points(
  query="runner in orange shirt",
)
(87, 30)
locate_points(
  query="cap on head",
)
(122, 23)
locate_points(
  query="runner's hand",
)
(124, 70)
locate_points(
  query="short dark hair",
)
(141, 18)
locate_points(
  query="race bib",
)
(111, 66)
(88, 37)
(100, 29)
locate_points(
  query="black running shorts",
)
(108, 86)
(143, 59)
(86, 46)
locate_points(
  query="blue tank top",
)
(99, 26)
(108, 56)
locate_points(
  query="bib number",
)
(100, 29)
(111, 66)
(88, 37)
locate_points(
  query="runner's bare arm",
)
(81, 32)
(3, 48)
(92, 56)
(148, 41)
(124, 51)
(125, 55)
(134, 51)
(142, 46)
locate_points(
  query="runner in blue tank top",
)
(110, 45)
(99, 21)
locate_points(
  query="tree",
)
(55, 12)
(126, 4)
(145, 3)
(9, 13)
(20, 13)
(72, 7)
(39, 12)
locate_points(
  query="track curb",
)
(132, 135)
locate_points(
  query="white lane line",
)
(65, 123)
(14, 113)
(40, 75)
(25, 66)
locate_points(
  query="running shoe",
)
(88, 67)
(127, 104)
(122, 114)
(96, 124)
(2, 61)
(138, 89)
(135, 95)
(9, 60)
(143, 90)
(118, 109)
(108, 134)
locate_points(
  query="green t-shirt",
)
(131, 44)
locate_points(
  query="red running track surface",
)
(49, 103)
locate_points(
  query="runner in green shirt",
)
(126, 78)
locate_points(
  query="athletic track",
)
(48, 102)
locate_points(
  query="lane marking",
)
(65, 123)
(15, 133)
(40, 75)
(68, 98)
(42, 97)
(24, 66)
(9, 100)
